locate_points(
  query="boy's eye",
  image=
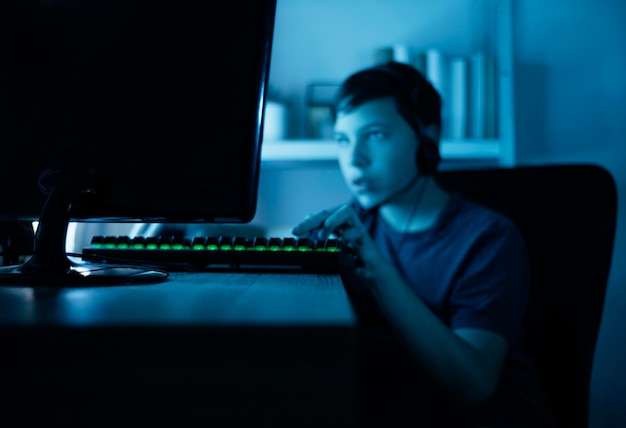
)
(375, 135)
(341, 140)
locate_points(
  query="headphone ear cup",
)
(428, 157)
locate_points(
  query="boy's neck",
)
(418, 209)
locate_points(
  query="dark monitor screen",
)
(160, 101)
(138, 110)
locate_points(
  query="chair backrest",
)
(567, 214)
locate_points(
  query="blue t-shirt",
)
(471, 269)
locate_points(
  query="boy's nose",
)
(359, 155)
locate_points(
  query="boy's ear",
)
(432, 132)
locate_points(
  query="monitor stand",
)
(50, 266)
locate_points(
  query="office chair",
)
(567, 214)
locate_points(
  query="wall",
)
(570, 63)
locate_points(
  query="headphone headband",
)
(427, 156)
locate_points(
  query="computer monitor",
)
(128, 111)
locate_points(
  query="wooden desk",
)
(210, 349)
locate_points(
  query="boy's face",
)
(377, 150)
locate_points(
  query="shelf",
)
(318, 150)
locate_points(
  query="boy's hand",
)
(344, 223)
(311, 223)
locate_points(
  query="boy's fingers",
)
(341, 220)
(344, 216)
(311, 222)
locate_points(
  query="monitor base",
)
(80, 275)
(49, 264)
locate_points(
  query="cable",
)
(414, 207)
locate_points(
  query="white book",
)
(436, 70)
(419, 62)
(458, 98)
(491, 98)
(483, 104)
(477, 95)
(436, 74)
(402, 53)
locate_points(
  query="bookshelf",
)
(324, 41)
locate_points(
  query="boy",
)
(443, 288)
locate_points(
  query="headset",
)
(427, 156)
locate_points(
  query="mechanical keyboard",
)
(179, 253)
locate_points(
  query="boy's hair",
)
(417, 101)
